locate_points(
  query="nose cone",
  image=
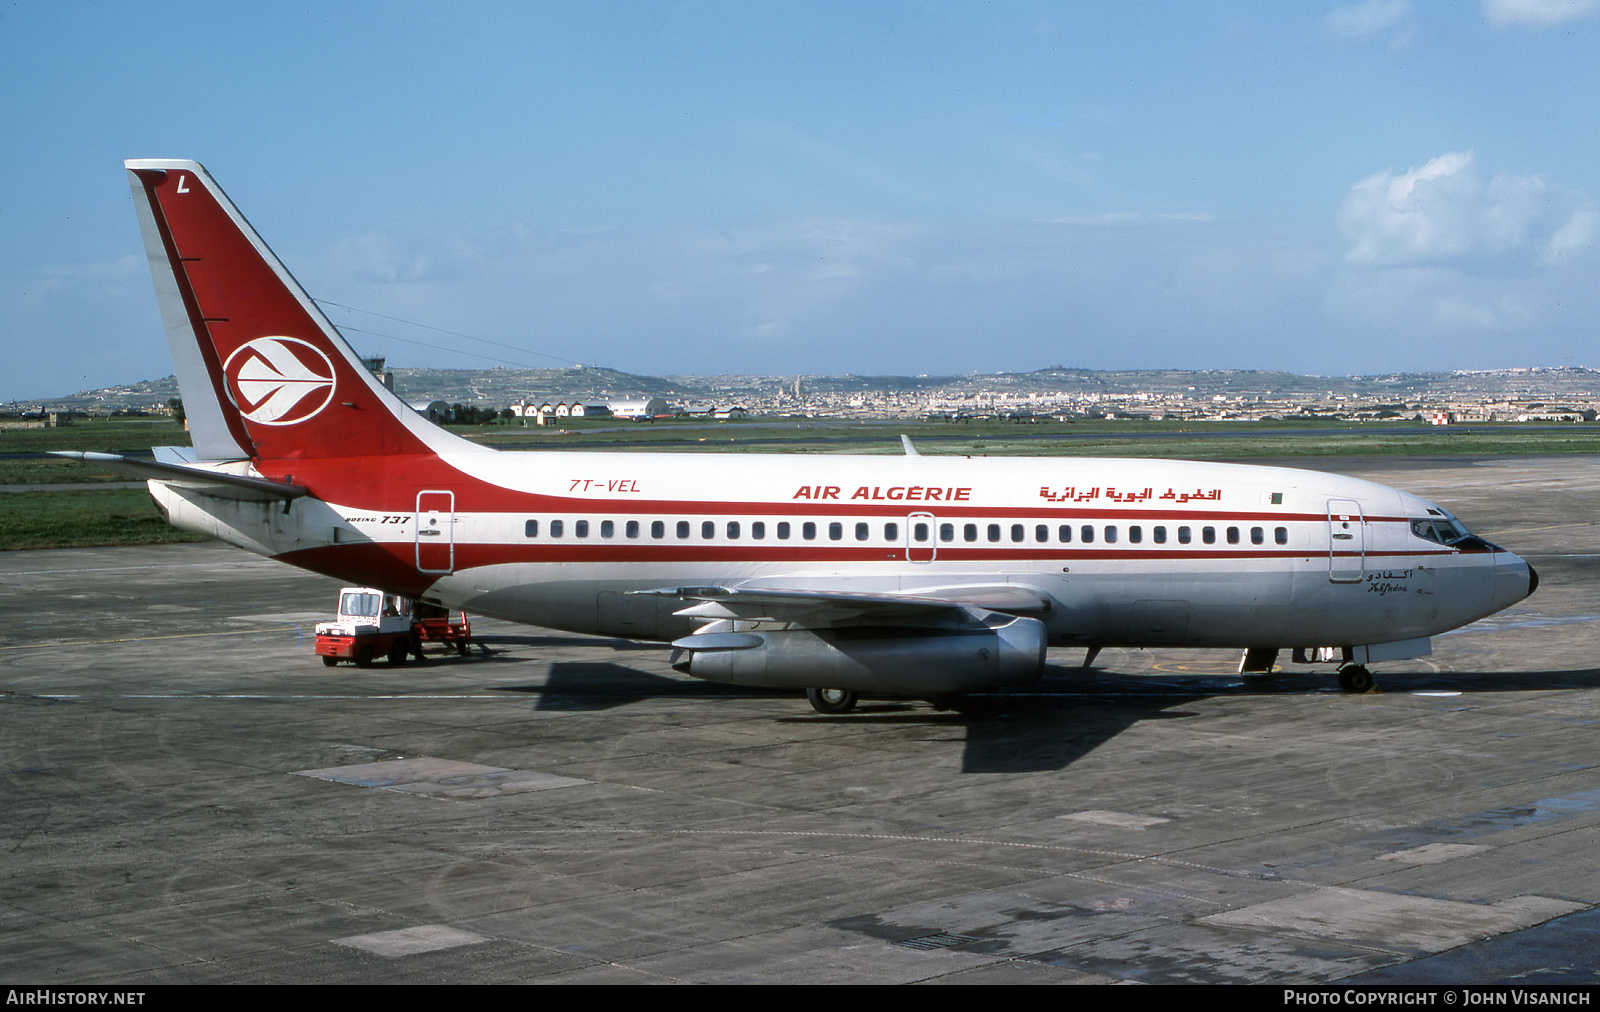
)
(1514, 580)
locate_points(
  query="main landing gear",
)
(832, 700)
(1356, 678)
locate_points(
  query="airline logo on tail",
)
(279, 380)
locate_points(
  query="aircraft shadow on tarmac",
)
(1048, 725)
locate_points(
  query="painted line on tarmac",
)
(253, 563)
(1546, 527)
(143, 639)
(250, 695)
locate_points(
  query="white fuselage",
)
(1103, 551)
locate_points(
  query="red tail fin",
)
(262, 372)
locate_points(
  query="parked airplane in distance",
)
(918, 576)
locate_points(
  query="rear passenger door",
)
(436, 536)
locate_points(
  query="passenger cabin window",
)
(632, 529)
(758, 530)
(1183, 535)
(1135, 535)
(919, 532)
(531, 529)
(969, 532)
(1258, 536)
(1041, 533)
(835, 531)
(658, 529)
(1158, 535)
(783, 530)
(1086, 534)
(994, 532)
(733, 530)
(1064, 534)
(863, 531)
(947, 532)
(581, 528)
(608, 529)
(708, 530)
(891, 532)
(808, 530)
(1111, 535)
(682, 530)
(1233, 535)
(1280, 535)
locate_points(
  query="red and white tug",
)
(369, 624)
(372, 624)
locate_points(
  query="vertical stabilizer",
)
(262, 371)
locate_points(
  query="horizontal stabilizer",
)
(218, 484)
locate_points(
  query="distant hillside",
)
(501, 387)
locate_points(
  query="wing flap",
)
(815, 608)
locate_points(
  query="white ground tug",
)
(372, 624)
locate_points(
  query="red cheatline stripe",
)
(474, 555)
(350, 486)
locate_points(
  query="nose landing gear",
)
(832, 700)
(1356, 678)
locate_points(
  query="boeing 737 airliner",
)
(919, 576)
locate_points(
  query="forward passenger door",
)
(1347, 541)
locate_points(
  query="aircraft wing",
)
(816, 608)
(217, 484)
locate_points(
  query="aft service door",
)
(436, 537)
(922, 534)
(1347, 541)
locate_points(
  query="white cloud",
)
(1393, 20)
(1430, 302)
(1502, 14)
(1129, 217)
(1445, 211)
(97, 280)
(1575, 236)
(1461, 311)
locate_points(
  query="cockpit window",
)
(1443, 532)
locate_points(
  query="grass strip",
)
(84, 519)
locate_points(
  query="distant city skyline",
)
(1562, 393)
(825, 188)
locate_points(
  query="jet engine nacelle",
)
(915, 661)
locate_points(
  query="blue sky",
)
(813, 187)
